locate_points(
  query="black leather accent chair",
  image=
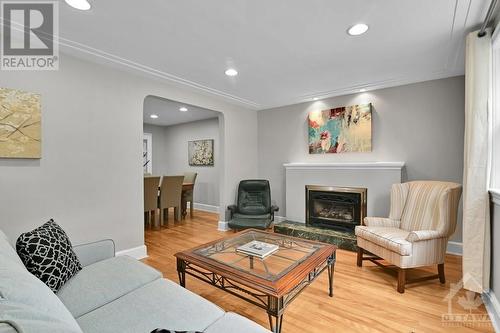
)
(254, 209)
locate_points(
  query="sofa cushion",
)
(47, 253)
(18, 286)
(103, 282)
(393, 239)
(232, 322)
(22, 318)
(7, 252)
(258, 216)
(242, 223)
(159, 304)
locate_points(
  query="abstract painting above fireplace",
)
(341, 130)
(337, 208)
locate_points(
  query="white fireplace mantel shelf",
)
(346, 166)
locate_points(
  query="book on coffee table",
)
(258, 249)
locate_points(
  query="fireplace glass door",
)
(336, 208)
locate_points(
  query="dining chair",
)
(151, 184)
(170, 196)
(189, 177)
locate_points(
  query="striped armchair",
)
(423, 216)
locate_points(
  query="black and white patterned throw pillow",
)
(47, 253)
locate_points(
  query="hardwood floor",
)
(365, 299)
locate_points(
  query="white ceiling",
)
(286, 51)
(168, 112)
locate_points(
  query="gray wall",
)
(90, 175)
(495, 251)
(421, 124)
(170, 155)
(160, 153)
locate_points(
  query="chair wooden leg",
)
(359, 261)
(441, 273)
(191, 209)
(157, 218)
(401, 280)
(177, 214)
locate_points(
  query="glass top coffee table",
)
(270, 283)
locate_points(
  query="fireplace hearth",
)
(337, 208)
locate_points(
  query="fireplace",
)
(338, 208)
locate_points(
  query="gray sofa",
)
(110, 294)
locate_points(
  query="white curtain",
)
(476, 220)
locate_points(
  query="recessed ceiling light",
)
(183, 109)
(154, 116)
(357, 29)
(362, 90)
(231, 72)
(79, 4)
(315, 98)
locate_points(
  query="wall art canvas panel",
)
(201, 152)
(341, 130)
(20, 124)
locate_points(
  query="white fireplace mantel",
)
(346, 165)
(377, 177)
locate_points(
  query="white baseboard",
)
(138, 253)
(206, 208)
(223, 226)
(454, 248)
(493, 308)
(278, 219)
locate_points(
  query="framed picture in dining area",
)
(201, 152)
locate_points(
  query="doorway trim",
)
(148, 137)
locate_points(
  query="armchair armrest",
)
(381, 222)
(421, 235)
(232, 209)
(91, 253)
(274, 209)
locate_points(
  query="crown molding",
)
(373, 85)
(450, 69)
(154, 72)
(459, 22)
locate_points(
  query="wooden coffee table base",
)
(274, 306)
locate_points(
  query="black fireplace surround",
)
(337, 208)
